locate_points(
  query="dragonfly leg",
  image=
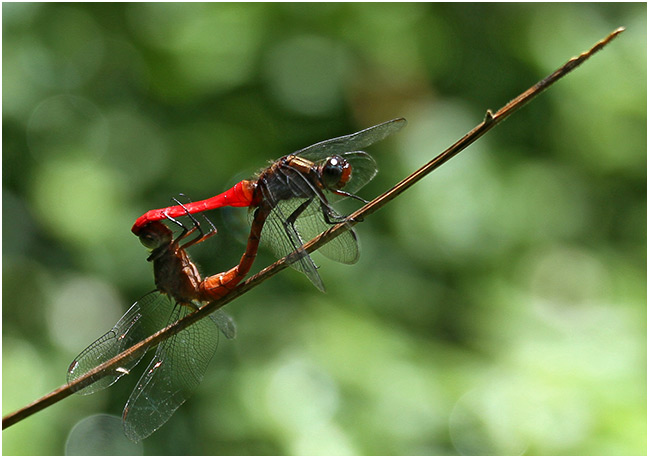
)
(185, 230)
(340, 192)
(331, 217)
(298, 211)
(201, 236)
(196, 226)
(358, 219)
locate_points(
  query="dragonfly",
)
(290, 200)
(180, 361)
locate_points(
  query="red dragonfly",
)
(292, 194)
(180, 361)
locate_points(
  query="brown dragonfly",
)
(180, 361)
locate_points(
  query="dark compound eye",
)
(335, 172)
(155, 234)
(149, 240)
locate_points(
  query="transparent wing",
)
(172, 376)
(343, 248)
(352, 142)
(225, 323)
(145, 317)
(283, 238)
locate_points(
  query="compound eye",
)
(335, 172)
(155, 234)
(150, 241)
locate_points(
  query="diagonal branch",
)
(490, 121)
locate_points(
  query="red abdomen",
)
(241, 194)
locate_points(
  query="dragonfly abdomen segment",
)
(217, 286)
(241, 194)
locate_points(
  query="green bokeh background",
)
(499, 307)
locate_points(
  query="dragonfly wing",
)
(283, 238)
(142, 319)
(170, 379)
(225, 323)
(351, 142)
(343, 248)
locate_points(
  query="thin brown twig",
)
(490, 121)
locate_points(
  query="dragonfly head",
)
(155, 235)
(335, 172)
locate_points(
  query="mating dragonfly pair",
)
(289, 202)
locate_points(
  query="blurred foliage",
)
(498, 306)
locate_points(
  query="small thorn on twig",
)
(488, 117)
